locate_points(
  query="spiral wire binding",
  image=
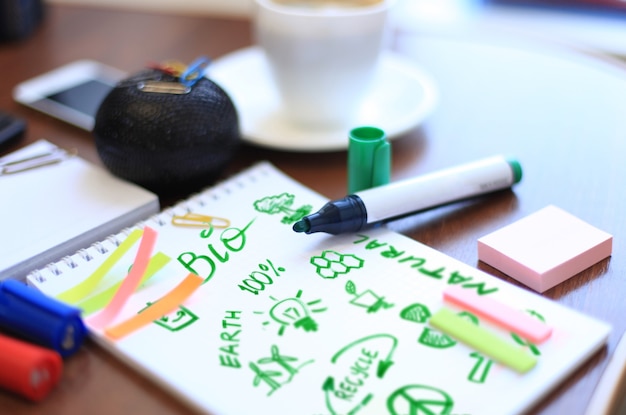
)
(163, 218)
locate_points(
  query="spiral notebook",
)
(54, 203)
(261, 319)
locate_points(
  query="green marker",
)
(401, 198)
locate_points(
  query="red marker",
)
(28, 370)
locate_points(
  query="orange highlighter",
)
(28, 370)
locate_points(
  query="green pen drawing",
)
(361, 361)
(259, 279)
(329, 391)
(437, 340)
(522, 342)
(294, 312)
(417, 313)
(480, 371)
(231, 326)
(419, 399)
(384, 363)
(231, 240)
(282, 204)
(283, 370)
(366, 299)
(176, 320)
(331, 264)
(420, 265)
(469, 316)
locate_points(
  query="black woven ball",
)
(166, 142)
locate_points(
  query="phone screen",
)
(85, 97)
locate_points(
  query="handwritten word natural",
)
(419, 263)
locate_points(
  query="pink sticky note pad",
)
(545, 248)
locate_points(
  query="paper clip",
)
(163, 87)
(195, 220)
(33, 162)
(195, 71)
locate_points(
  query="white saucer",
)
(401, 97)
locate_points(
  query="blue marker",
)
(30, 314)
(393, 200)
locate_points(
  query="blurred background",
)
(586, 24)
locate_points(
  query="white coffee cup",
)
(322, 55)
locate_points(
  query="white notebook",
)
(53, 210)
(288, 323)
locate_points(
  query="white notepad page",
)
(288, 323)
(54, 210)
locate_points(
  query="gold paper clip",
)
(195, 220)
(33, 162)
(162, 87)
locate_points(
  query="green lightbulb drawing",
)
(293, 311)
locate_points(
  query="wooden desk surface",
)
(560, 112)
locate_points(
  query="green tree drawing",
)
(282, 204)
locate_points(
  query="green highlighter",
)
(369, 159)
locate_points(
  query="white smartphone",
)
(72, 93)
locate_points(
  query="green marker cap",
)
(369, 159)
(516, 168)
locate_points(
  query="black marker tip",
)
(301, 226)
